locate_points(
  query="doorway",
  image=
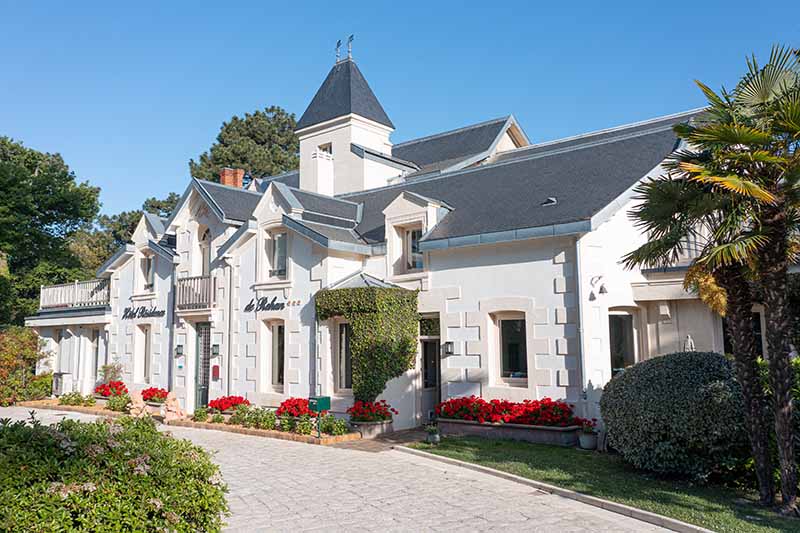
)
(203, 362)
(621, 342)
(431, 390)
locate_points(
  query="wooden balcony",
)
(196, 292)
(92, 293)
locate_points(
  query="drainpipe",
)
(171, 325)
(579, 280)
(230, 326)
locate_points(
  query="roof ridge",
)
(604, 131)
(313, 193)
(214, 183)
(451, 132)
(281, 175)
(539, 155)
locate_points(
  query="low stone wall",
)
(87, 410)
(325, 440)
(557, 436)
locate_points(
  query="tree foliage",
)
(262, 143)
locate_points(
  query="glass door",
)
(202, 363)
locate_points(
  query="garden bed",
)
(54, 405)
(554, 435)
(325, 440)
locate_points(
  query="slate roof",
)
(290, 178)
(235, 204)
(344, 91)
(437, 152)
(326, 205)
(360, 280)
(584, 174)
(156, 222)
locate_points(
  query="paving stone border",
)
(274, 434)
(54, 406)
(638, 514)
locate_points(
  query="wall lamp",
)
(449, 347)
(215, 350)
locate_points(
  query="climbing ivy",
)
(383, 342)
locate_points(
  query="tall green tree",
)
(749, 155)
(41, 207)
(262, 143)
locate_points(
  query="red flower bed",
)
(112, 388)
(154, 394)
(544, 412)
(224, 403)
(295, 407)
(371, 411)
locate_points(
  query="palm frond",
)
(762, 85)
(729, 134)
(731, 182)
(738, 251)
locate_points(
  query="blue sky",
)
(129, 92)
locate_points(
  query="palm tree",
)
(747, 153)
(674, 211)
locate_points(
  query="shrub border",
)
(274, 434)
(633, 512)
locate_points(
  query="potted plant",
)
(588, 436)
(112, 388)
(371, 419)
(433, 436)
(154, 396)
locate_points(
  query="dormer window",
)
(327, 148)
(411, 252)
(278, 255)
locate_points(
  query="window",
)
(513, 351)
(327, 148)
(345, 368)
(95, 351)
(144, 356)
(278, 258)
(430, 364)
(411, 251)
(205, 253)
(148, 271)
(621, 342)
(278, 344)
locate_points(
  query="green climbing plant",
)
(384, 324)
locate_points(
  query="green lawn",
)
(606, 476)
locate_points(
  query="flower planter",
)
(154, 404)
(588, 441)
(555, 435)
(370, 430)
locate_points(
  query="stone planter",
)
(154, 404)
(370, 430)
(588, 441)
(557, 436)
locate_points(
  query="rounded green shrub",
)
(121, 475)
(680, 413)
(200, 414)
(119, 402)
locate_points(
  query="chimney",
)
(231, 177)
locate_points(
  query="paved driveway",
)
(287, 486)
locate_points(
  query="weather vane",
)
(350, 47)
(338, 45)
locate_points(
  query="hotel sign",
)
(130, 313)
(267, 304)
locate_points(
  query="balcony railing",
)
(90, 293)
(196, 292)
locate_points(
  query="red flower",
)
(295, 407)
(544, 412)
(154, 394)
(112, 388)
(371, 411)
(224, 403)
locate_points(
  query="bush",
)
(105, 476)
(20, 350)
(260, 418)
(286, 423)
(38, 387)
(240, 413)
(76, 398)
(544, 412)
(304, 425)
(217, 418)
(119, 402)
(200, 414)
(332, 426)
(680, 413)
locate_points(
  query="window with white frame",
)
(512, 346)
(205, 253)
(148, 268)
(344, 359)
(277, 255)
(142, 365)
(411, 251)
(278, 351)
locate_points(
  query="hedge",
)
(680, 413)
(20, 350)
(384, 324)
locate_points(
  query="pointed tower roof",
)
(344, 91)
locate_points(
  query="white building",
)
(514, 247)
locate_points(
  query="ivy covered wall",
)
(384, 324)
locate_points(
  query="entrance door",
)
(431, 394)
(201, 377)
(622, 344)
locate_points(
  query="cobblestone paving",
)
(287, 486)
